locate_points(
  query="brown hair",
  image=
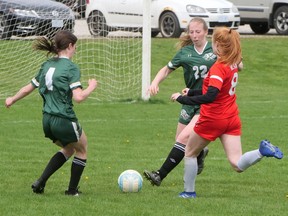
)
(61, 41)
(228, 45)
(185, 40)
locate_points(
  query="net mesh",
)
(114, 60)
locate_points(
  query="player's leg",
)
(207, 130)
(180, 128)
(156, 177)
(182, 138)
(231, 141)
(78, 164)
(186, 123)
(176, 154)
(174, 157)
(53, 165)
(58, 159)
(194, 146)
(62, 132)
(232, 147)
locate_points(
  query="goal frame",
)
(146, 50)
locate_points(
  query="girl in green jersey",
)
(58, 82)
(195, 57)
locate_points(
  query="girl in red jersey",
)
(219, 115)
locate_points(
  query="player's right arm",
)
(23, 92)
(161, 75)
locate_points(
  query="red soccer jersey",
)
(225, 79)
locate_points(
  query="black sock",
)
(77, 168)
(54, 164)
(174, 158)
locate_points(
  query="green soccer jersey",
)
(55, 81)
(195, 65)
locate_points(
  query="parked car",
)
(170, 17)
(262, 15)
(33, 17)
(78, 6)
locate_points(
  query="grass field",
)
(139, 136)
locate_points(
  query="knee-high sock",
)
(190, 173)
(77, 168)
(173, 159)
(54, 164)
(248, 159)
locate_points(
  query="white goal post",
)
(146, 49)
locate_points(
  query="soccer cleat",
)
(153, 177)
(73, 192)
(269, 150)
(200, 159)
(38, 187)
(187, 195)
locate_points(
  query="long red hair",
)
(228, 46)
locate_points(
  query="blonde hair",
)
(228, 45)
(185, 40)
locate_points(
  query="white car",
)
(170, 17)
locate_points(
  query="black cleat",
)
(38, 186)
(153, 177)
(200, 159)
(73, 192)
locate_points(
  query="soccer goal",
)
(120, 61)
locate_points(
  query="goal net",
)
(114, 60)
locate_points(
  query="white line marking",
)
(137, 120)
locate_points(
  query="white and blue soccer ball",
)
(130, 181)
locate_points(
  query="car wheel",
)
(5, 31)
(97, 24)
(260, 28)
(281, 20)
(169, 25)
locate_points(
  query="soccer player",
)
(195, 57)
(58, 82)
(219, 115)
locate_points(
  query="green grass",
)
(139, 136)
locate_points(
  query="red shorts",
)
(211, 129)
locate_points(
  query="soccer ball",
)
(130, 181)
